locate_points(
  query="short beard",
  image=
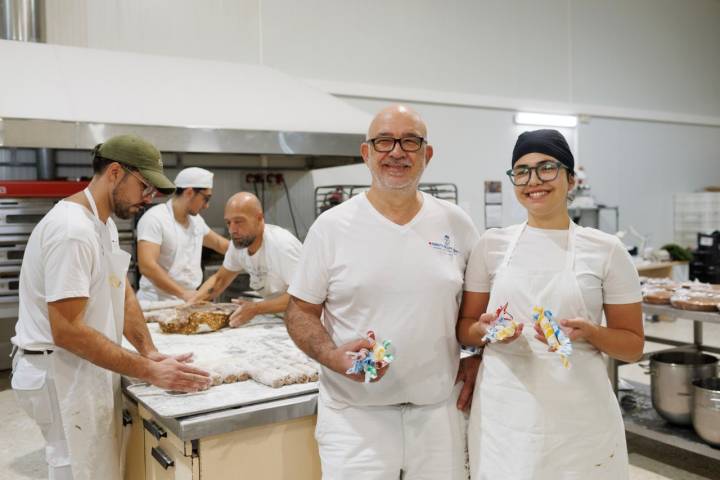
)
(243, 242)
(410, 186)
(120, 208)
(386, 183)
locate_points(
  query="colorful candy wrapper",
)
(504, 326)
(556, 338)
(369, 361)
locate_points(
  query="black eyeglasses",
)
(206, 198)
(386, 144)
(546, 171)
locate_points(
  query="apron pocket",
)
(29, 383)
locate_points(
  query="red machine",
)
(40, 188)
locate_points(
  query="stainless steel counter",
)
(194, 427)
(641, 419)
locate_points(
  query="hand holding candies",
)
(503, 328)
(556, 338)
(369, 361)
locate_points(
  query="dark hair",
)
(179, 190)
(99, 164)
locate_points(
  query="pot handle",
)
(645, 367)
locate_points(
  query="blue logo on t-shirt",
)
(445, 246)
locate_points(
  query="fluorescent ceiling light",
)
(545, 119)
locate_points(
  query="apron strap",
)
(569, 257)
(91, 201)
(513, 243)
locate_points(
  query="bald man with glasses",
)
(391, 260)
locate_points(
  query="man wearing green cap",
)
(75, 306)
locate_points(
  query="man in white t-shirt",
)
(75, 307)
(267, 252)
(392, 261)
(171, 237)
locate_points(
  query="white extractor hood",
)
(54, 96)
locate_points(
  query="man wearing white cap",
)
(171, 237)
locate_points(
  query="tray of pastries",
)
(197, 318)
(698, 300)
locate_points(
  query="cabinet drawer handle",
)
(127, 418)
(154, 429)
(162, 458)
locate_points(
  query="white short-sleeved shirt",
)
(158, 226)
(402, 281)
(272, 267)
(62, 260)
(604, 269)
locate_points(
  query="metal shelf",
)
(697, 318)
(641, 419)
(639, 416)
(592, 217)
(328, 196)
(708, 317)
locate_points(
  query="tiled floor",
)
(21, 455)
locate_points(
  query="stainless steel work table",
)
(639, 416)
(231, 431)
(193, 427)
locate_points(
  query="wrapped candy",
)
(370, 361)
(503, 327)
(556, 338)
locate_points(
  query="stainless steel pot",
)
(706, 409)
(672, 374)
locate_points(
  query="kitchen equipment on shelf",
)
(706, 409)
(705, 264)
(672, 374)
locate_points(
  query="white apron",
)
(531, 418)
(89, 396)
(185, 269)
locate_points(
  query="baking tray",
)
(226, 342)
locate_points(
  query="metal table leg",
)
(698, 334)
(612, 369)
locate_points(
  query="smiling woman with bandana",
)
(532, 418)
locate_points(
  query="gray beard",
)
(243, 242)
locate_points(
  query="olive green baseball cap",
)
(134, 151)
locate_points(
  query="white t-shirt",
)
(159, 226)
(404, 282)
(604, 269)
(62, 260)
(272, 267)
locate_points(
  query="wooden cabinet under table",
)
(269, 441)
(135, 446)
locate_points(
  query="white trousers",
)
(412, 442)
(34, 390)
